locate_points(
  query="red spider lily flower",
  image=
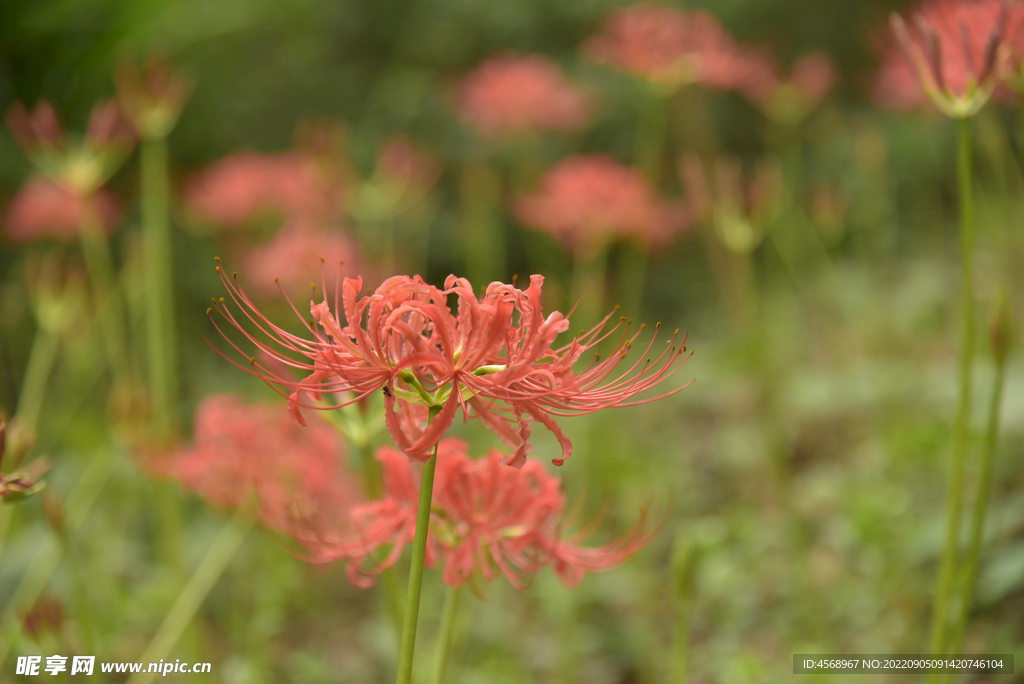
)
(240, 187)
(1010, 61)
(673, 48)
(152, 97)
(494, 359)
(791, 99)
(242, 450)
(516, 93)
(43, 208)
(949, 58)
(403, 177)
(285, 261)
(18, 486)
(483, 516)
(81, 166)
(588, 200)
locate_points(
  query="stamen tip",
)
(217, 259)
(208, 310)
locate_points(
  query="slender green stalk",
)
(109, 308)
(652, 132)
(419, 554)
(684, 563)
(632, 274)
(482, 230)
(589, 276)
(954, 497)
(981, 502)
(37, 373)
(159, 291)
(48, 554)
(199, 585)
(443, 647)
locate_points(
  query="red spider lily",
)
(1010, 61)
(240, 187)
(516, 93)
(950, 57)
(43, 208)
(20, 485)
(284, 262)
(585, 201)
(674, 48)
(82, 166)
(483, 515)
(494, 359)
(400, 162)
(241, 450)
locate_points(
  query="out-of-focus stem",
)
(651, 133)
(160, 333)
(199, 585)
(481, 228)
(47, 556)
(683, 567)
(419, 554)
(37, 372)
(954, 496)
(589, 276)
(632, 274)
(109, 307)
(443, 648)
(981, 502)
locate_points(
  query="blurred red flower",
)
(674, 48)
(43, 208)
(588, 200)
(789, 100)
(494, 359)
(242, 186)
(949, 57)
(242, 451)
(483, 516)
(516, 93)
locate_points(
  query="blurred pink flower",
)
(44, 208)
(403, 164)
(516, 93)
(674, 48)
(245, 451)
(293, 253)
(494, 359)
(588, 200)
(791, 99)
(242, 186)
(83, 167)
(152, 96)
(483, 516)
(948, 58)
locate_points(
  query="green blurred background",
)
(803, 470)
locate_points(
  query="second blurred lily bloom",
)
(494, 358)
(241, 451)
(484, 516)
(950, 56)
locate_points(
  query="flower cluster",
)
(483, 516)
(242, 451)
(674, 48)
(789, 99)
(516, 93)
(494, 359)
(44, 208)
(587, 200)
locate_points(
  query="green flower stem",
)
(589, 275)
(160, 334)
(37, 373)
(109, 308)
(632, 273)
(483, 234)
(684, 563)
(445, 639)
(419, 554)
(954, 497)
(980, 503)
(48, 554)
(652, 131)
(199, 585)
